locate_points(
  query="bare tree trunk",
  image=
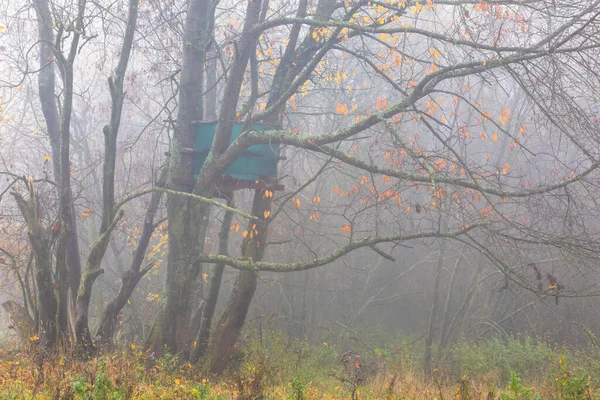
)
(186, 216)
(40, 243)
(210, 114)
(446, 310)
(433, 316)
(215, 286)
(47, 94)
(230, 326)
(210, 110)
(132, 276)
(109, 219)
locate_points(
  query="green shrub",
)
(522, 356)
(516, 390)
(570, 385)
(298, 389)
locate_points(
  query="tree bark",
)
(433, 316)
(109, 220)
(230, 325)
(132, 276)
(186, 216)
(47, 95)
(215, 286)
(39, 240)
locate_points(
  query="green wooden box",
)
(257, 162)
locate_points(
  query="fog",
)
(436, 178)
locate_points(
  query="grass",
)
(509, 369)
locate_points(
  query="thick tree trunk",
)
(39, 240)
(230, 326)
(47, 94)
(186, 216)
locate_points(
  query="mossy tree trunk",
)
(215, 286)
(47, 95)
(232, 321)
(41, 245)
(185, 215)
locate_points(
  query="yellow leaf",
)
(86, 212)
(494, 138)
(435, 53)
(177, 381)
(244, 234)
(205, 277)
(47, 158)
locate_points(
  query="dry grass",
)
(132, 375)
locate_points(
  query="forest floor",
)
(507, 369)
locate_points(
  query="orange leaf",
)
(346, 228)
(341, 108)
(505, 116)
(522, 129)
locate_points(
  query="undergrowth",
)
(498, 369)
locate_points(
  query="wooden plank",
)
(188, 150)
(228, 183)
